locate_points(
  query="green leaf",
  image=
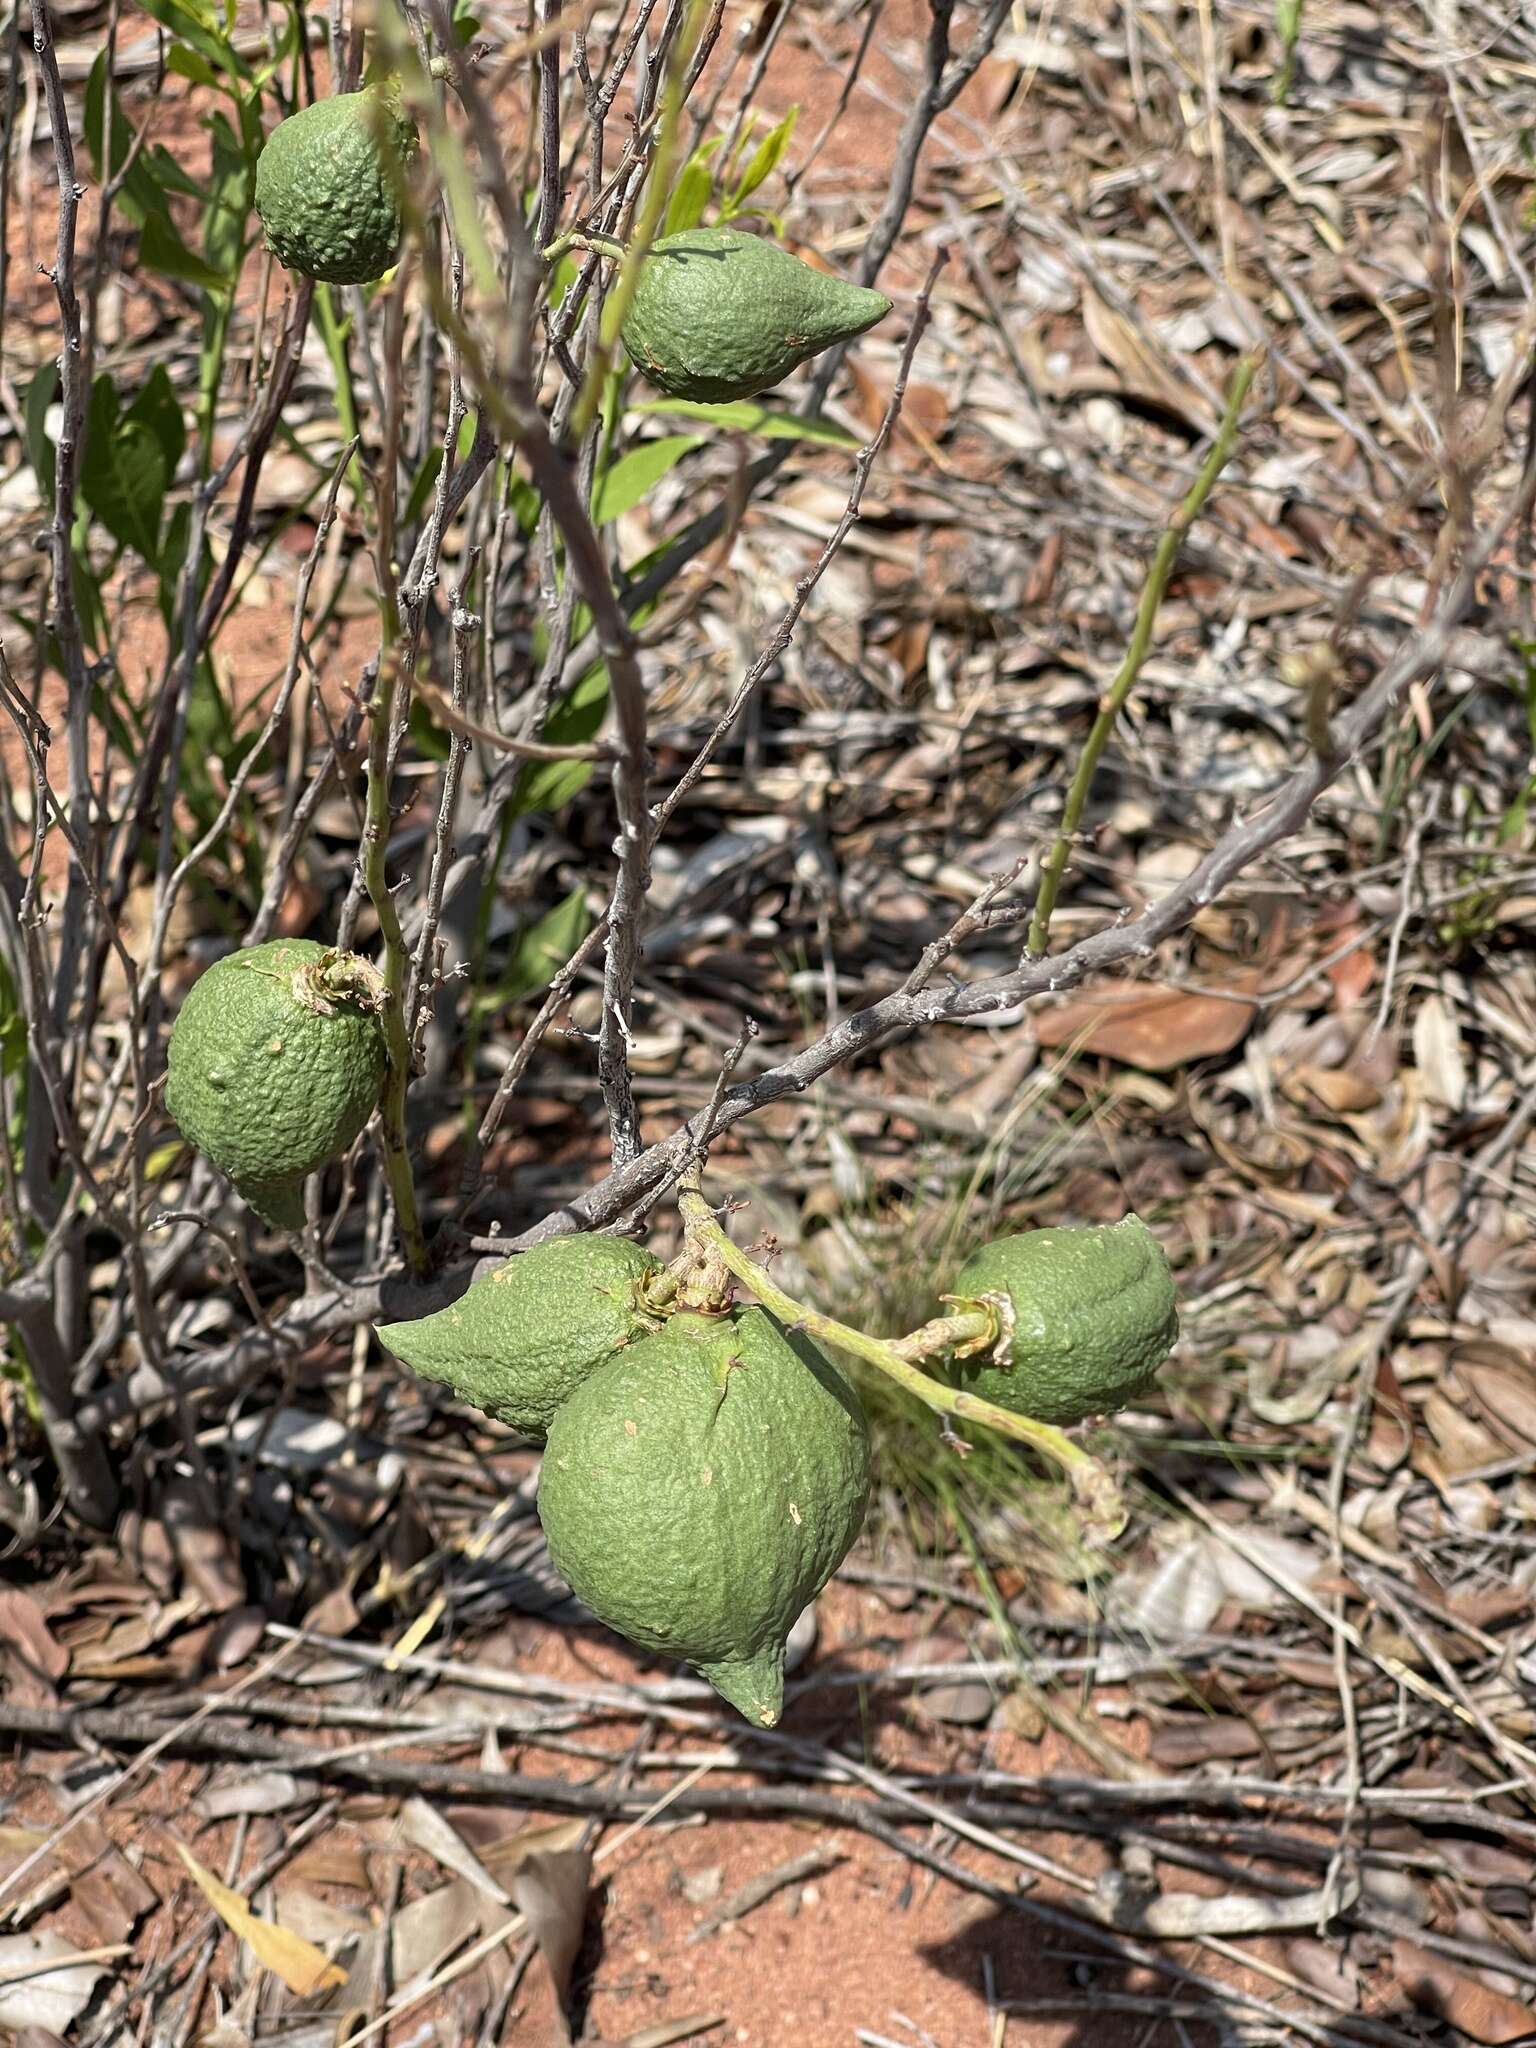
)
(691, 194)
(158, 408)
(424, 485)
(41, 452)
(190, 65)
(161, 248)
(124, 473)
(539, 952)
(746, 416)
(140, 193)
(638, 472)
(546, 785)
(231, 192)
(763, 164)
(200, 26)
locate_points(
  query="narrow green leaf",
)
(199, 26)
(124, 473)
(539, 952)
(546, 785)
(188, 64)
(41, 453)
(140, 193)
(158, 408)
(638, 472)
(690, 195)
(764, 162)
(161, 248)
(232, 190)
(746, 416)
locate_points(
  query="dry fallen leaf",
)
(1145, 1025)
(550, 1889)
(31, 1658)
(298, 1962)
(1438, 1054)
(425, 1828)
(1474, 2009)
(40, 1986)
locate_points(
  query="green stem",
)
(652, 207)
(971, 1330)
(577, 238)
(1113, 702)
(1096, 1491)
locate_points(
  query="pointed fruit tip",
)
(754, 1686)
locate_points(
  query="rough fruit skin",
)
(327, 187)
(719, 314)
(520, 1340)
(699, 1489)
(1095, 1316)
(274, 1065)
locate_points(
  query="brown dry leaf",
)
(1486, 2015)
(299, 1963)
(1462, 1444)
(1502, 1388)
(209, 1561)
(31, 1658)
(1438, 1053)
(550, 1889)
(1335, 1088)
(425, 1828)
(508, 1855)
(43, 1983)
(1145, 1024)
(1143, 374)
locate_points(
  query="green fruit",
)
(718, 314)
(275, 1064)
(328, 187)
(1094, 1318)
(702, 1487)
(522, 1339)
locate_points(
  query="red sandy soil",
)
(868, 1942)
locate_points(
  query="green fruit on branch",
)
(1093, 1317)
(275, 1064)
(718, 314)
(522, 1339)
(328, 186)
(702, 1487)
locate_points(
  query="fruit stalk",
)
(971, 1330)
(1113, 702)
(1096, 1491)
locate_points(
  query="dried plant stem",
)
(373, 855)
(1114, 700)
(1096, 1491)
(397, 1158)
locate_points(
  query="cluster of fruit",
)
(706, 1468)
(717, 314)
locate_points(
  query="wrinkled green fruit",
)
(522, 1339)
(275, 1064)
(702, 1487)
(1095, 1316)
(328, 187)
(719, 314)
